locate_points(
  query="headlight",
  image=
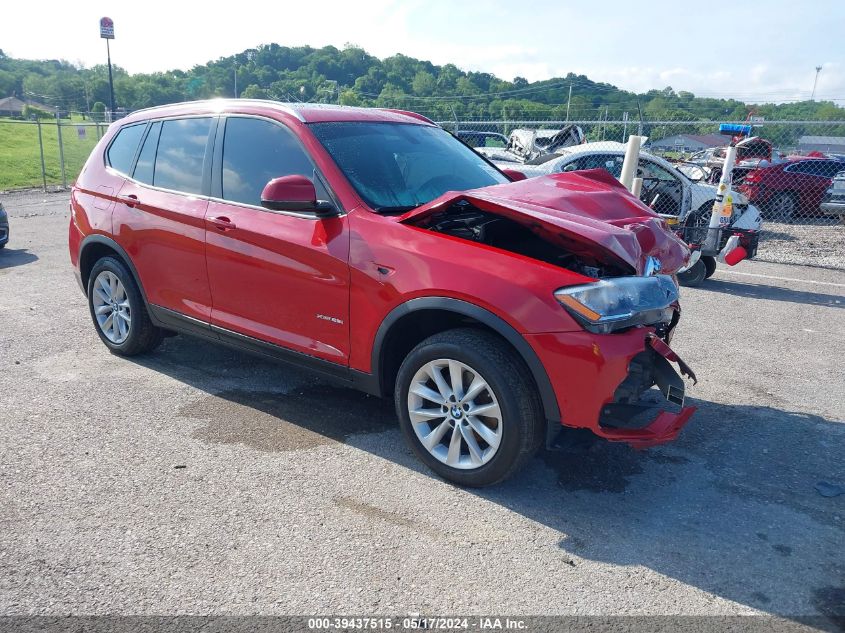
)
(620, 302)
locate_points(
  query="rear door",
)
(280, 277)
(160, 215)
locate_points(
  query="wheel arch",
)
(411, 322)
(95, 247)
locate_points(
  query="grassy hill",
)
(20, 160)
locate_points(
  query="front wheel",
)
(696, 274)
(709, 265)
(468, 407)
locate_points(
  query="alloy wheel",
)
(455, 414)
(111, 307)
(783, 207)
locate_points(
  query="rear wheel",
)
(118, 311)
(695, 275)
(709, 265)
(783, 207)
(468, 407)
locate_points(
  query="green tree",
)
(423, 84)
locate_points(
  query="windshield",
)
(398, 166)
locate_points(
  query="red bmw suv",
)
(377, 249)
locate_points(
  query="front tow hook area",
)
(636, 415)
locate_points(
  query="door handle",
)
(130, 200)
(222, 223)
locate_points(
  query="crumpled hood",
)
(583, 212)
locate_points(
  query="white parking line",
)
(799, 281)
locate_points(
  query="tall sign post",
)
(107, 33)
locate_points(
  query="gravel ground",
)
(201, 480)
(815, 242)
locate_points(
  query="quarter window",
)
(122, 148)
(255, 152)
(180, 155)
(146, 159)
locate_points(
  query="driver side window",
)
(650, 170)
(255, 151)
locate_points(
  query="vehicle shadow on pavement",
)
(10, 257)
(730, 508)
(773, 293)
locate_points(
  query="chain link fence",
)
(45, 152)
(788, 172)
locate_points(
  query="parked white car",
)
(833, 202)
(665, 189)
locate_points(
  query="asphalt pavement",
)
(202, 480)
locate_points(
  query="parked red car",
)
(790, 189)
(375, 248)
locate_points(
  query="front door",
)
(280, 277)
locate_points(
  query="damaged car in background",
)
(374, 248)
(527, 145)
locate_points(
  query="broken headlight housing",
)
(617, 303)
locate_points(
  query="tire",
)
(709, 265)
(694, 276)
(112, 291)
(783, 207)
(515, 435)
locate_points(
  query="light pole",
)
(107, 33)
(815, 83)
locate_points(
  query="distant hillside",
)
(352, 76)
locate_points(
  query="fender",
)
(97, 238)
(495, 323)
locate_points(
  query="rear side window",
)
(180, 155)
(608, 162)
(829, 168)
(824, 168)
(146, 159)
(123, 147)
(256, 151)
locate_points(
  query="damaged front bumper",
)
(622, 386)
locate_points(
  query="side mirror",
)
(514, 175)
(294, 193)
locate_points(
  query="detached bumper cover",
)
(603, 382)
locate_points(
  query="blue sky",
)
(757, 51)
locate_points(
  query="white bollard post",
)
(632, 159)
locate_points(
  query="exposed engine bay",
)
(465, 221)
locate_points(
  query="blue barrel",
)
(734, 129)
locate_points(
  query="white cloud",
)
(544, 39)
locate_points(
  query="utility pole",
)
(604, 125)
(568, 101)
(815, 83)
(236, 82)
